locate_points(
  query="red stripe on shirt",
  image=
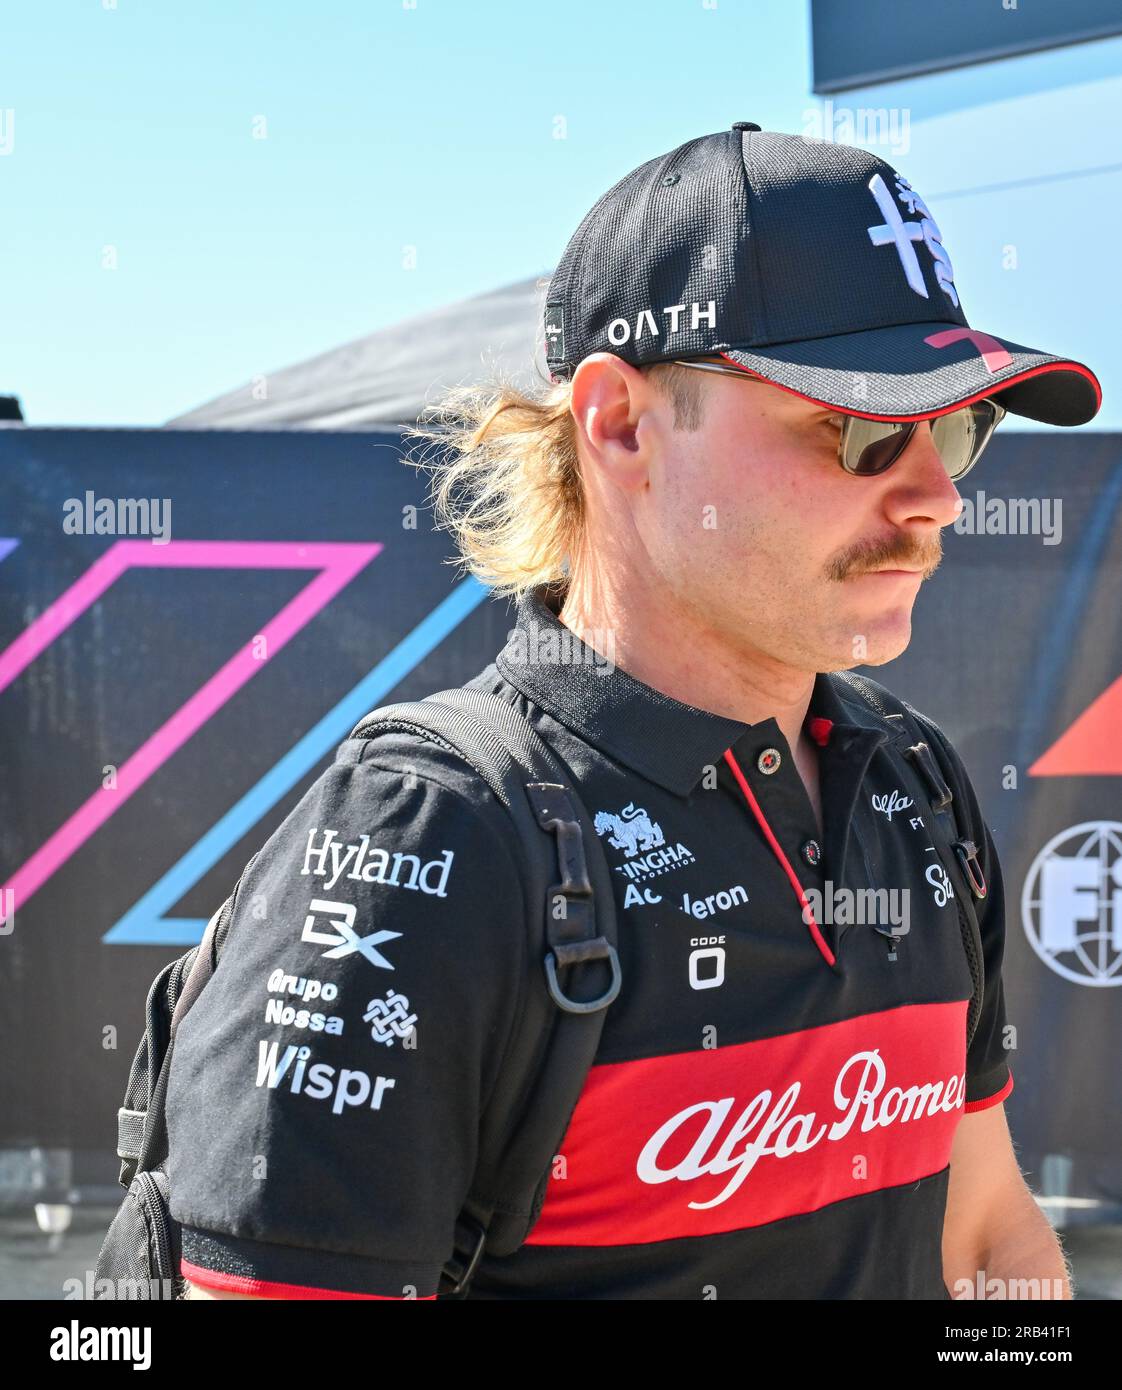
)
(758, 1131)
(987, 1101)
(777, 850)
(264, 1288)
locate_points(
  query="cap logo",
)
(894, 230)
(620, 331)
(994, 354)
(555, 330)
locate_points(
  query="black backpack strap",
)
(572, 927)
(142, 1137)
(967, 852)
(132, 1116)
(928, 761)
(571, 923)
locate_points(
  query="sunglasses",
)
(868, 447)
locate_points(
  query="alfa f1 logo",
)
(898, 232)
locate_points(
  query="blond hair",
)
(507, 482)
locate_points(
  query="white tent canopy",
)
(390, 376)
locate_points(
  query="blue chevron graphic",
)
(145, 924)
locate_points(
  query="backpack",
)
(544, 1075)
(927, 759)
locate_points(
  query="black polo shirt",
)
(772, 1105)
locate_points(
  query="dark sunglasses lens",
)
(872, 445)
(961, 436)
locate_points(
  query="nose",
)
(922, 490)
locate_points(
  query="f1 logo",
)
(343, 939)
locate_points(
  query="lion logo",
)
(632, 830)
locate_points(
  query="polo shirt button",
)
(812, 852)
(768, 760)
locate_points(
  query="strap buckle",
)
(924, 759)
(572, 953)
(455, 1270)
(967, 852)
(567, 931)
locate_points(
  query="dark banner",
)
(190, 622)
(878, 40)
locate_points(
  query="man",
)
(764, 389)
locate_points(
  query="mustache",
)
(889, 555)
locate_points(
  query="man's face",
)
(750, 526)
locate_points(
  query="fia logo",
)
(895, 231)
(1071, 904)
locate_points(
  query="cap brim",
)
(922, 370)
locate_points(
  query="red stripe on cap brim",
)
(989, 393)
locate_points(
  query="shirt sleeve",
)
(326, 1087)
(988, 1077)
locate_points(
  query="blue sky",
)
(434, 127)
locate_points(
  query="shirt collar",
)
(665, 741)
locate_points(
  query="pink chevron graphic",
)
(994, 354)
(338, 563)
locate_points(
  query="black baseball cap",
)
(813, 265)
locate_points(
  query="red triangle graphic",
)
(1092, 746)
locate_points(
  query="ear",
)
(620, 419)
